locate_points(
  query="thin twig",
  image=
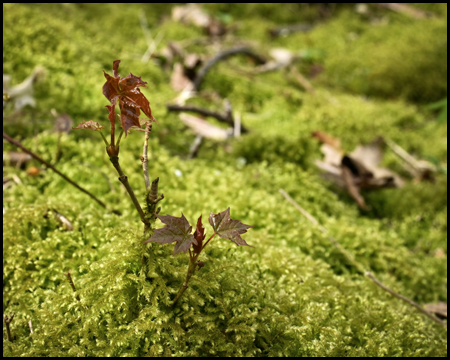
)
(349, 256)
(144, 157)
(204, 112)
(18, 144)
(7, 320)
(409, 301)
(405, 9)
(354, 262)
(69, 277)
(30, 325)
(223, 55)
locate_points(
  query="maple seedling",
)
(125, 91)
(179, 230)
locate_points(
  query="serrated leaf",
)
(90, 125)
(228, 228)
(199, 236)
(177, 230)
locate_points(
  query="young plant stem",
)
(7, 320)
(124, 180)
(191, 270)
(355, 263)
(38, 158)
(144, 157)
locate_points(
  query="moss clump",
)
(293, 294)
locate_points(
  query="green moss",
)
(292, 293)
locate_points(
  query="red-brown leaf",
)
(199, 236)
(228, 228)
(177, 230)
(131, 100)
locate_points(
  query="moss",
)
(293, 293)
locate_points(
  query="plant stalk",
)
(124, 180)
(144, 157)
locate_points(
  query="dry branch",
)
(221, 56)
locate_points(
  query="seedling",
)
(131, 102)
(179, 230)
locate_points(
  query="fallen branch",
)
(18, 144)
(221, 56)
(355, 263)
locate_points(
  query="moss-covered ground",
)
(293, 293)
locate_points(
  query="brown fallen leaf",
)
(356, 171)
(204, 128)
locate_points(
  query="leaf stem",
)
(120, 137)
(104, 138)
(209, 240)
(191, 271)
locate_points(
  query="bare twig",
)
(30, 325)
(221, 56)
(409, 301)
(7, 320)
(323, 230)
(144, 157)
(290, 29)
(69, 277)
(18, 144)
(303, 81)
(417, 168)
(405, 9)
(354, 262)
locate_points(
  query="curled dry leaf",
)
(203, 128)
(356, 171)
(228, 228)
(90, 125)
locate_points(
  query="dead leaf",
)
(204, 128)
(356, 171)
(22, 94)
